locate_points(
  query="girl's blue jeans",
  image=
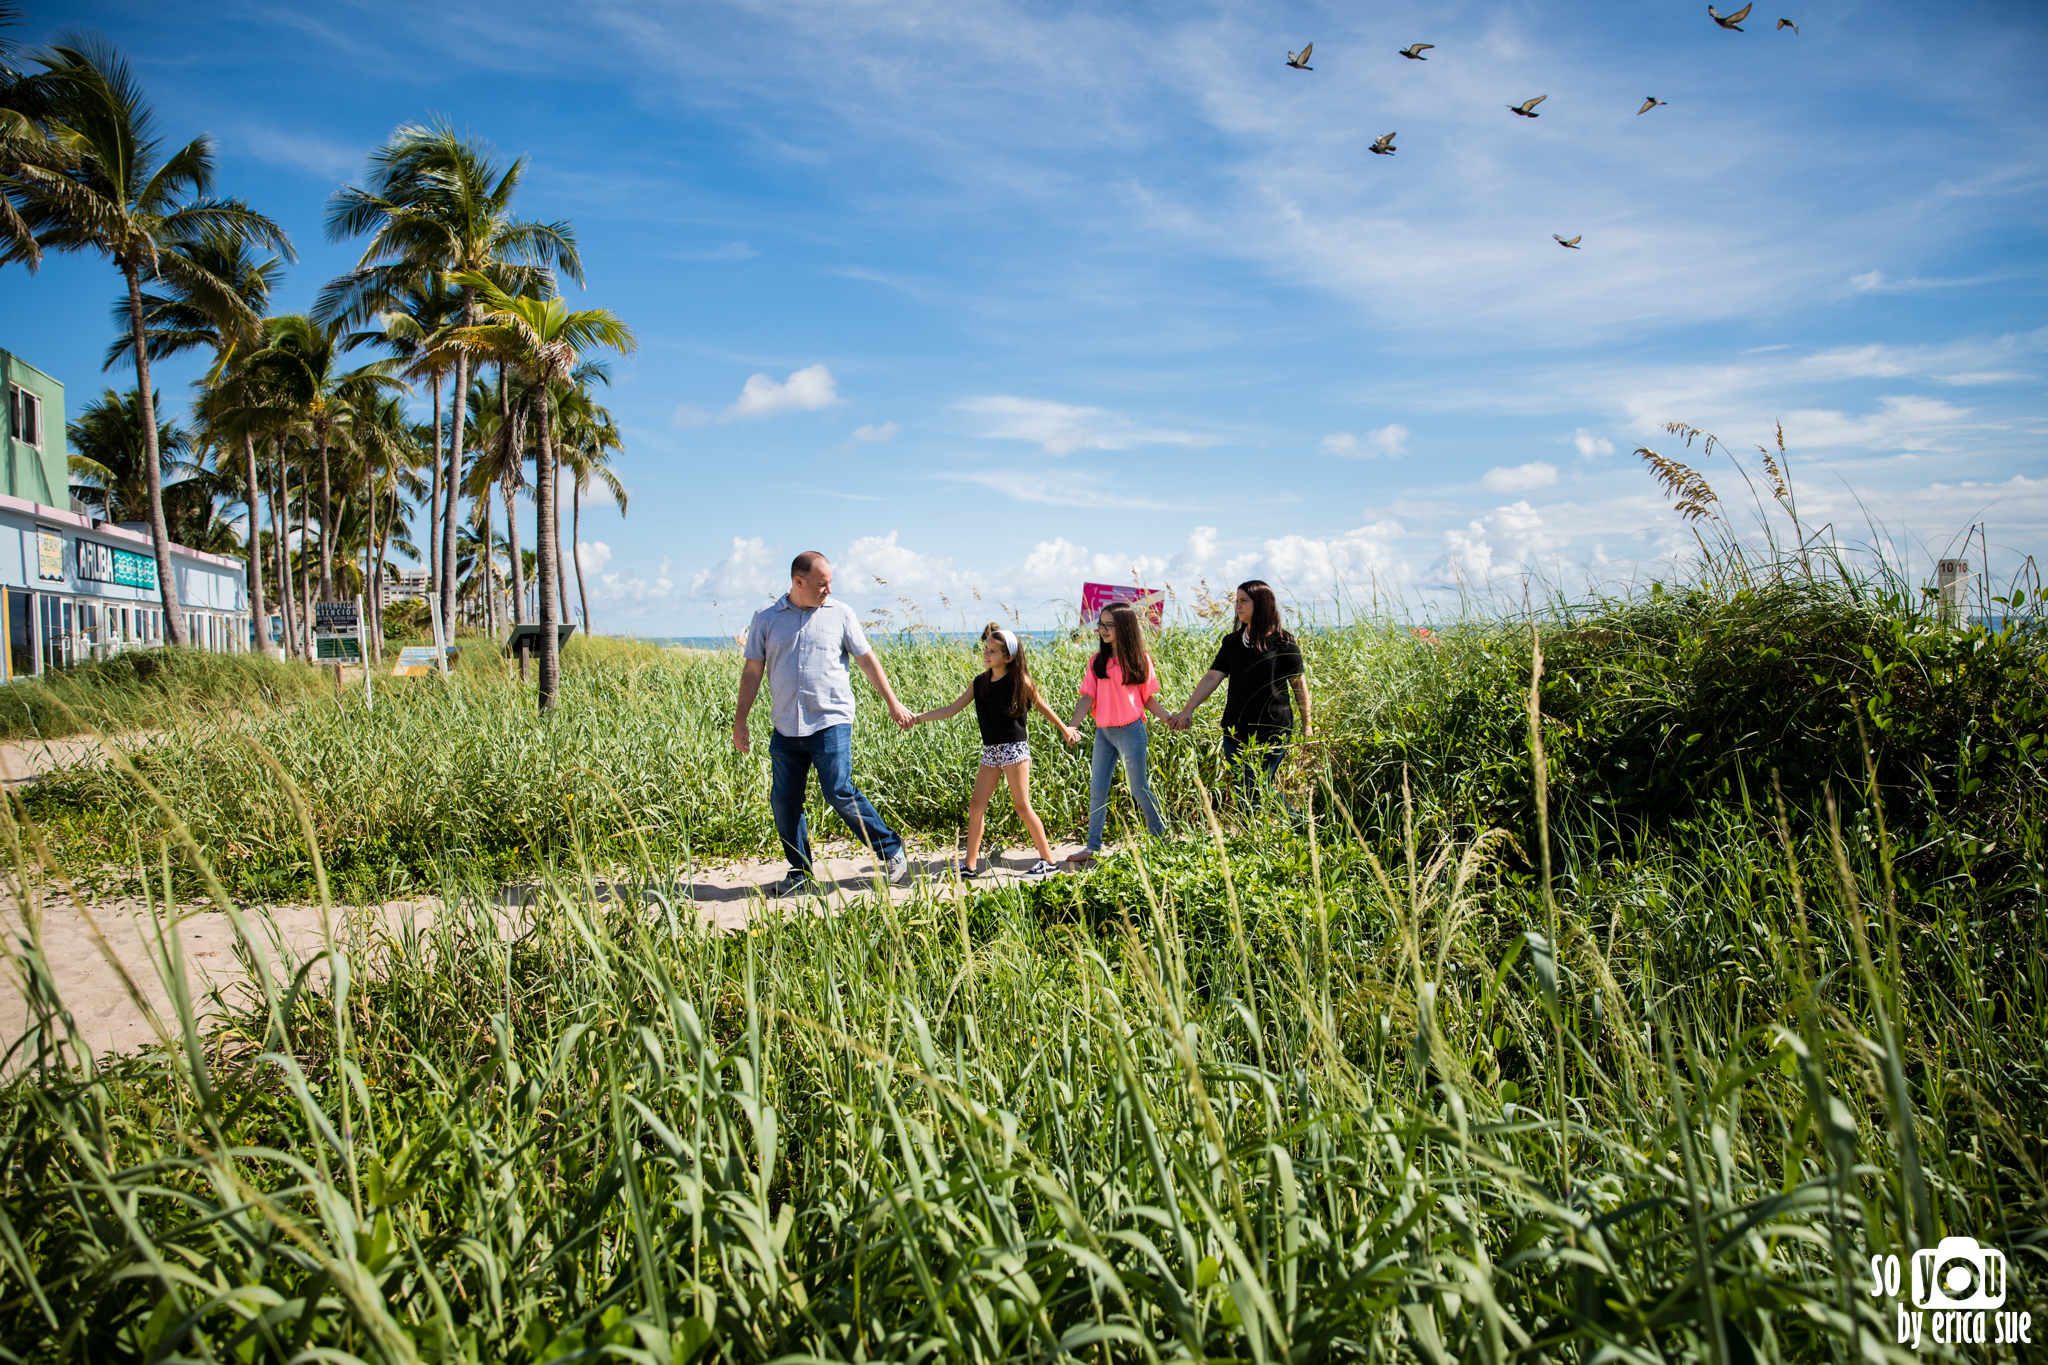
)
(1111, 743)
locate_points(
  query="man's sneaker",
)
(795, 884)
(1041, 868)
(1082, 859)
(897, 873)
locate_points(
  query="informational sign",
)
(99, 563)
(338, 637)
(50, 556)
(417, 661)
(1096, 596)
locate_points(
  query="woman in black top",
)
(1003, 696)
(1268, 681)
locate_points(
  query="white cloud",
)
(876, 434)
(1390, 441)
(1519, 478)
(595, 555)
(1509, 541)
(747, 575)
(806, 390)
(1359, 563)
(1062, 428)
(1590, 445)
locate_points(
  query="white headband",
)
(1009, 641)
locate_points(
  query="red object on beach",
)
(1096, 596)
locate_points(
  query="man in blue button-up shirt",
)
(801, 644)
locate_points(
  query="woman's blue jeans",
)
(1111, 743)
(1254, 766)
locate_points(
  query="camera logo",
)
(1958, 1275)
(1958, 1296)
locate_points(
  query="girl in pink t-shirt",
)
(1119, 707)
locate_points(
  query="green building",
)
(34, 468)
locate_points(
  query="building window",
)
(25, 416)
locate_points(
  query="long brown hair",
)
(1023, 691)
(1126, 644)
(1264, 629)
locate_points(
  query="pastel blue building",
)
(74, 588)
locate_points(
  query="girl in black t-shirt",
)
(1268, 681)
(1003, 696)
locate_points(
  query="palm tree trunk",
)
(306, 569)
(251, 492)
(576, 544)
(280, 538)
(326, 522)
(561, 579)
(152, 470)
(549, 557)
(369, 583)
(459, 417)
(434, 502)
(518, 560)
(488, 561)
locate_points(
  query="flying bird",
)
(1573, 243)
(1787, 23)
(1383, 146)
(1649, 103)
(1413, 52)
(1527, 108)
(1730, 21)
(1299, 60)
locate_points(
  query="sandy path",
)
(81, 944)
(25, 760)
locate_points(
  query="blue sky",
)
(988, 297)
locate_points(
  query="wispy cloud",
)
(1390, 441)
(1062, 428)
(1519, 478)
(1059, 488)
(875, 434)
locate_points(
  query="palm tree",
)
(437, 200)
(542, 336)
(305, 358)
(109, 450)
(589, 436)
(123, 197)
(190, 314)
(416, 318)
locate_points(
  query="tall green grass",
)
(149, 689)
(1255, 1100)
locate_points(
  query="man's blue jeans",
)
(830, 751)
(1254, 765)
(1111, 743)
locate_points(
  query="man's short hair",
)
(803, 564)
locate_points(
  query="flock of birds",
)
(1384, 144)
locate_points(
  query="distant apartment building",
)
(72, 587)
(409, 586)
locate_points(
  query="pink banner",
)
(1096, 596)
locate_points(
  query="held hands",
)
(1180, 720)
(1070, 734)
(900, 713)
